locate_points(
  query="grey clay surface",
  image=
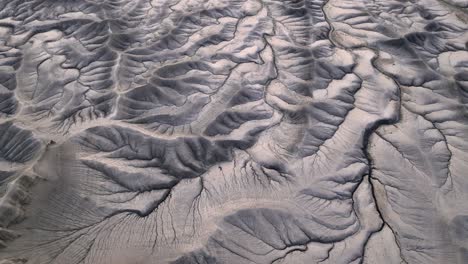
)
(236, 132)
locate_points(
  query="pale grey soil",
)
(233, 131)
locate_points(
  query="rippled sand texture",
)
(233, 131)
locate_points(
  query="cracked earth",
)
(233, 131)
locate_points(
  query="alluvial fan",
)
(233, 131)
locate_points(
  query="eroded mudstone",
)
(244, 131)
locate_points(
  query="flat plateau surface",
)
(233, 131)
